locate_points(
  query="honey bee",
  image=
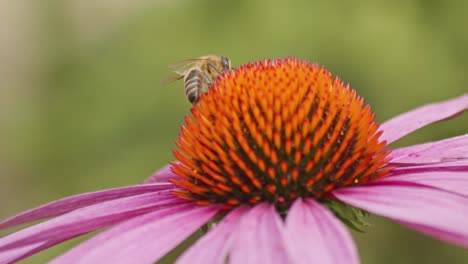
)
(198, 74)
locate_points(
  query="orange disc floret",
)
(274, 131)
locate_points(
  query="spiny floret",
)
(274, 131)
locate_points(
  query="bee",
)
(198, 74)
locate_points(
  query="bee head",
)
(226, 63)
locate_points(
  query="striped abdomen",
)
(193, 85)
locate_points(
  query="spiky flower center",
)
(275, 131)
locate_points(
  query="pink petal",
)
(215, 245)
(436, 212)
(71, 203)
(15, 254)
(407, 168)
(314, 235)
(455, 238)
(76, 254)
(452, 181)
(88, 219)
(259, 238)
(448, 150)
(408, 122)
(162, 175)
(143, 239)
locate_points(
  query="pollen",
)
(273, 131)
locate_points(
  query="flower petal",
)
(71, 203)
(455, 238)
(143, 239)
(259, 238)
(88, 219)
(451, 181)
(15, 254)
(436, 212)
(215, 245)
(314, 235)
(405, 168)
(162, 175)
(447, 150)
(408, 122)
(76, 254)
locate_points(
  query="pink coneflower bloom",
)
(273, 153)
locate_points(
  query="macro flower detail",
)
(265, 153)
(275, 132)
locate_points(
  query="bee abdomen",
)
(193, 85)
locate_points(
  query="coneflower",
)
(273, 156)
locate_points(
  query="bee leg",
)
(207, 80)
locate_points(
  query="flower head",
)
(268, 153)
(274, 131)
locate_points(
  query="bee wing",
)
(185, 63)
(180, 69)
(172, 77)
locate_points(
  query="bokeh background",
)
(82, 108)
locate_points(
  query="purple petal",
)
(452, 181)
(15, 254)
(438, 233)
(408, 122)
(448, 150)
(162, 175)
(143, 239)
(88, 219)
(407, 168)
(215, 245)
(71, 203)
(438, 213)
(259, 238)
(76, 254)
(314, 235)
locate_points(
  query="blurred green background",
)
(82, 108)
